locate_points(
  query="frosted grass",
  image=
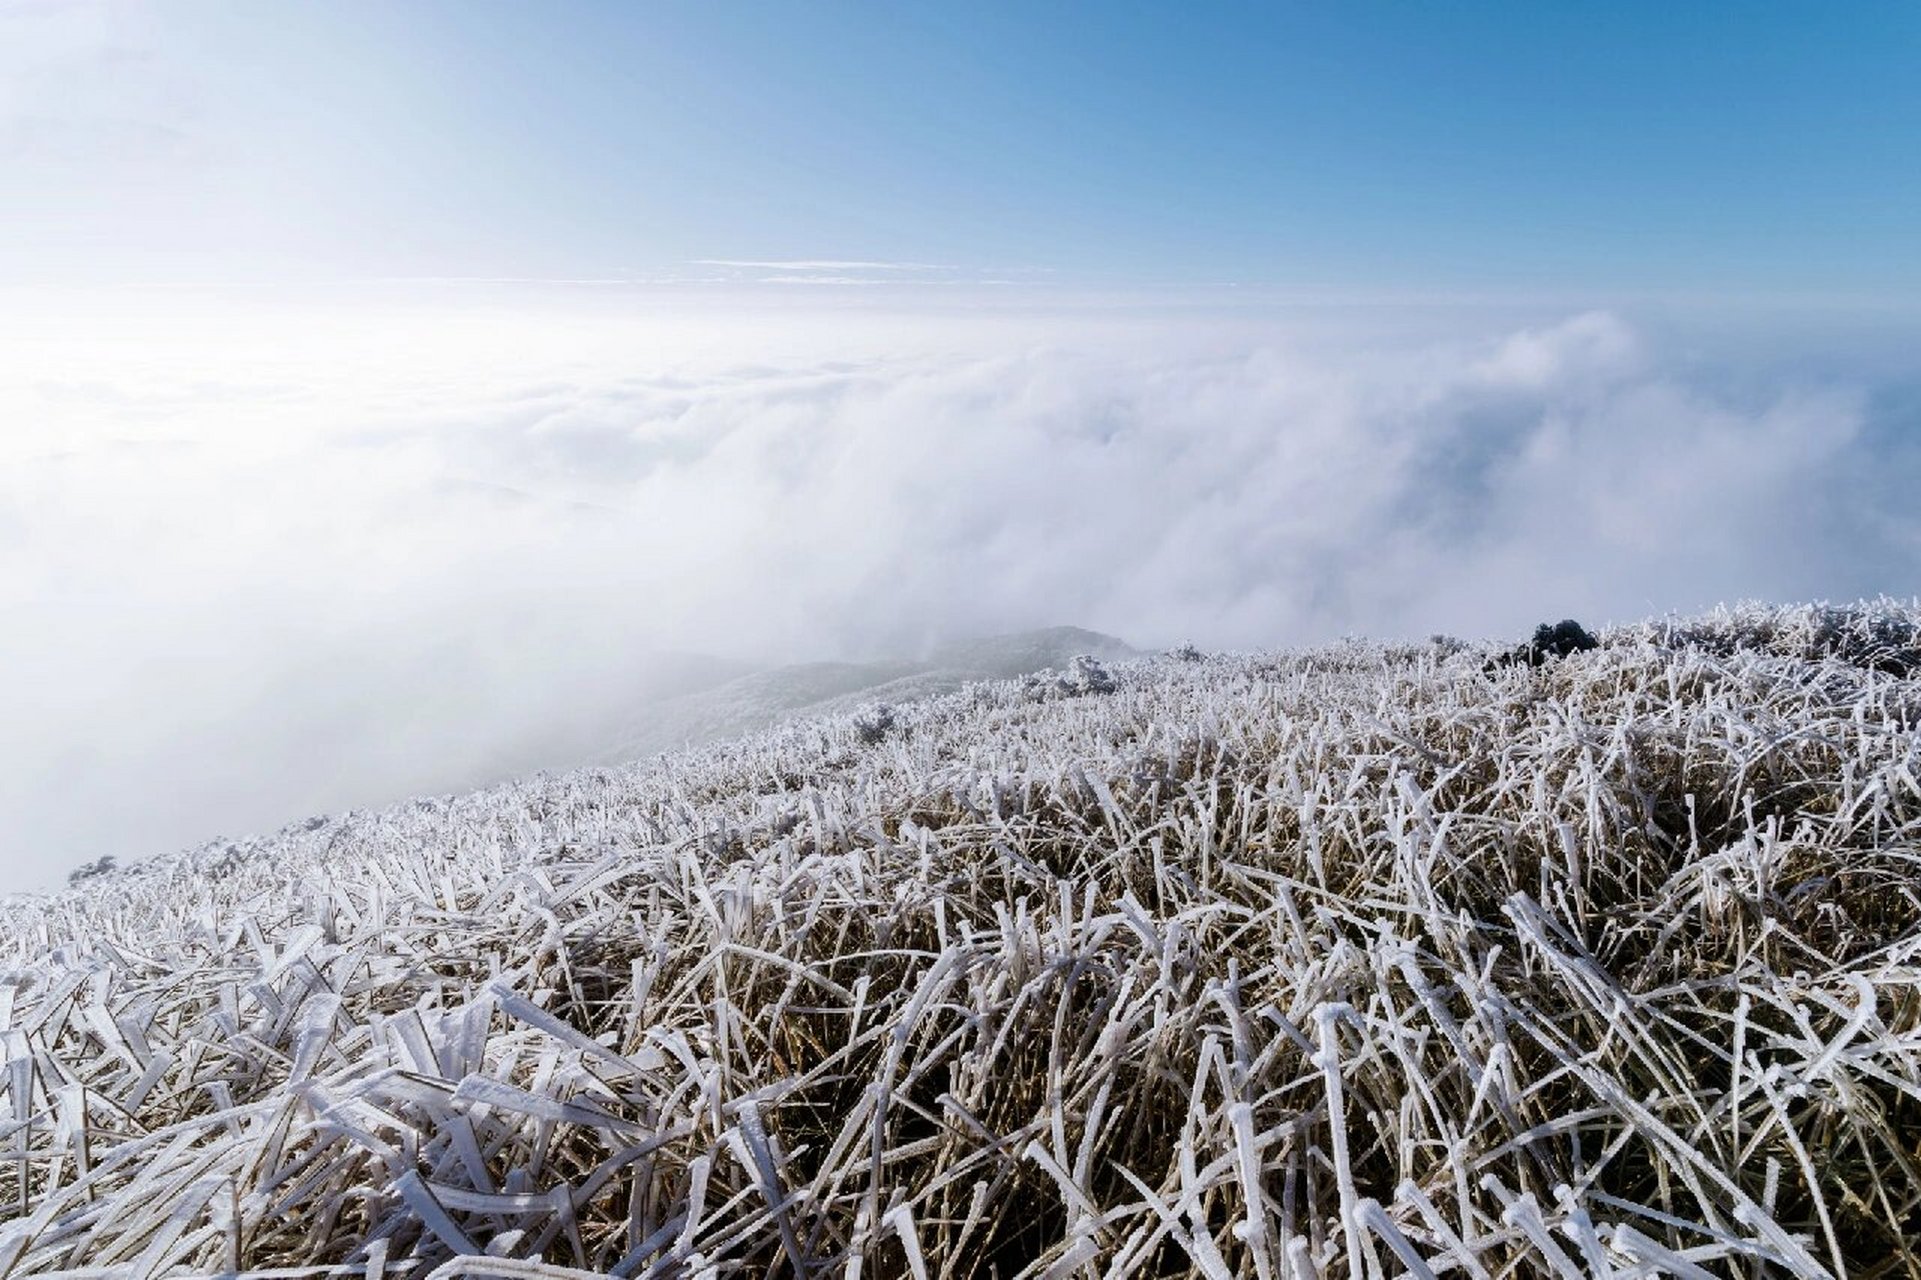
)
(1362, 960)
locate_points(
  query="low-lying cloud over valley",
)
(256, 567)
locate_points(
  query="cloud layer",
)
(257, 570)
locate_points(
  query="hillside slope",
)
(758, 699)
(1366, 959)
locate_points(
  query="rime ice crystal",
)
(1349, 957)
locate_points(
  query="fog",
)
(259, 561)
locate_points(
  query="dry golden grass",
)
(1360, 960)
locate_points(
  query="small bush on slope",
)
(1354, 959)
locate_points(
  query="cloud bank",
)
(252, 571)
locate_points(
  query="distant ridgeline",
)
(761, 698)
(1593, 956)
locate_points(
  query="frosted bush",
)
(871, 724)
(88, 870)
(1084, 675)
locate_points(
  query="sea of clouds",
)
(261, 562)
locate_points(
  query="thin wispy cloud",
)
(837, 279)
(823, 264)
(736, 272)
(536, 280)
(850, 271)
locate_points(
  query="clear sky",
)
(1387, 148)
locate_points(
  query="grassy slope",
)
(1356, 958)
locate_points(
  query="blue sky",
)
(1381, 148)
